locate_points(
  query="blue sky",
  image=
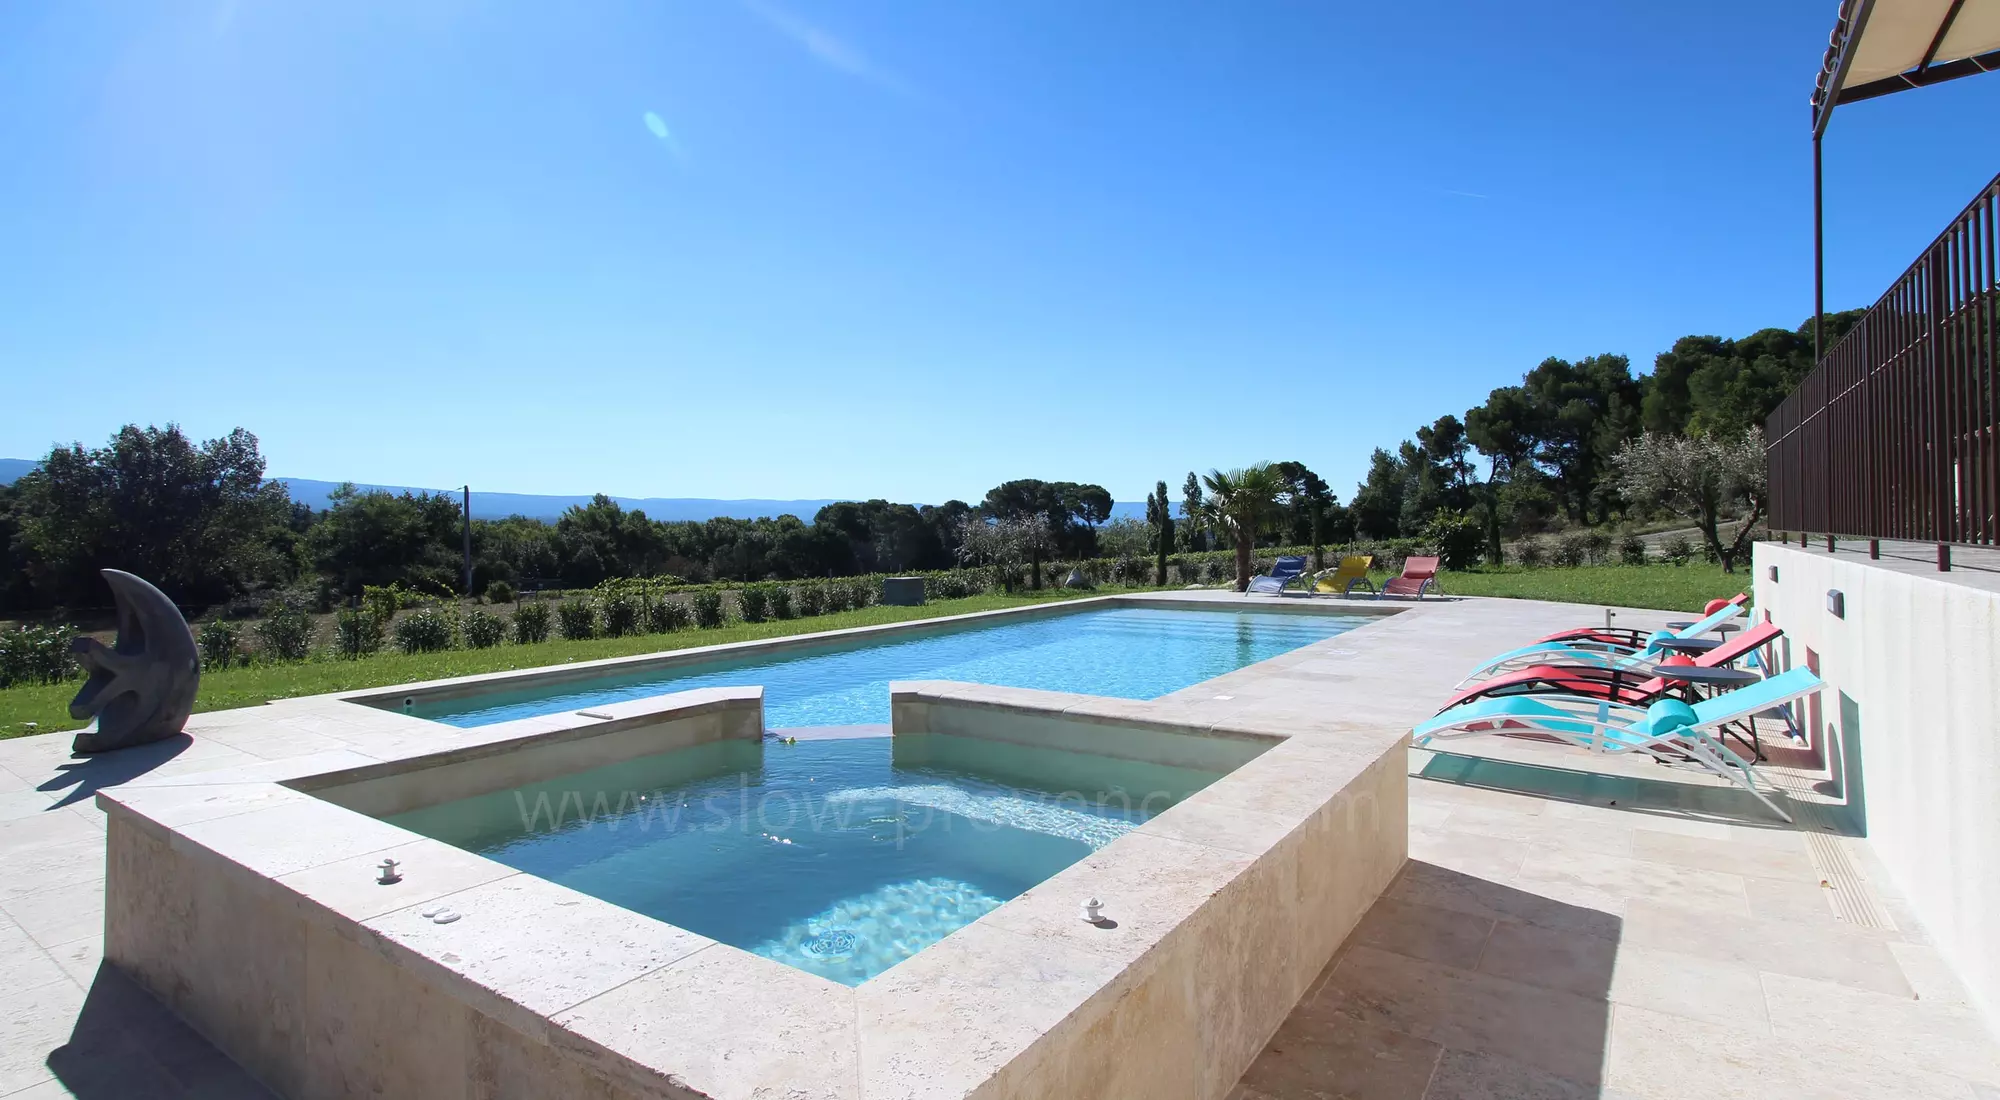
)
(779, 249)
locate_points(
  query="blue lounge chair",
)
(1600, 653)
(1283, 572)
(1668, 730)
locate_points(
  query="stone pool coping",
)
(459, 686)
(1225, 907)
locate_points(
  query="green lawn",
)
(47, 707)
(1667, 587)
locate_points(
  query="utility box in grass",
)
(903, 591)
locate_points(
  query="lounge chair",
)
(1283, 572)
(1669, 730)
(1352, 571)
(1605, 653)
(1418, 574)
(1595, 681)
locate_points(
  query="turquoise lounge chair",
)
(1668, 730)
(1604, 654)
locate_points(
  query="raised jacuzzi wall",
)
(267, 948)
(248, 905)
(534, 749)
(1238, 897)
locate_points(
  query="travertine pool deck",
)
(1620, 937)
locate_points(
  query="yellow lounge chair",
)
(1353, 570)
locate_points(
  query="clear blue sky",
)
(779, 249)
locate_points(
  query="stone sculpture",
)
(142, 688)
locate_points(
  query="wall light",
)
(1836, 602)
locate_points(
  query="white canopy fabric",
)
(1883, 46)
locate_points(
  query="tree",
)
(1194, 536)
(1499, 429)
(1378, 501)
(14, 589)
(1245, 502)
(197, 520)
(1580, 414)
(1307, 498)
(375, 537)
(1707, 384)
(1069, 513)
(1160, 515)
(1700, 477)
(1003, 541)
(1447, 464)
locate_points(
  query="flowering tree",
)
(1700, 477)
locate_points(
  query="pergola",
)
(1883, 46)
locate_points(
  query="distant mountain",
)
(533, 506)
(502, 505)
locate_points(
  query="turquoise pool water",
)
(1131, 653)
(841, 857)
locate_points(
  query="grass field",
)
(1666, 587)
(47, 706)
(40, 709)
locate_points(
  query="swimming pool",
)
(1126, 652)
(841, 857)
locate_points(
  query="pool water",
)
(840, 856)
(1130, 653)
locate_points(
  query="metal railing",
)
(1892, 435)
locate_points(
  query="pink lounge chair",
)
(1418, 574)
(1617, 685)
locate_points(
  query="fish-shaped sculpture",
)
(141, 688)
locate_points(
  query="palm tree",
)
(1244, 503)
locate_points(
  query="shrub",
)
(576, 619)
(36, 655)
(781, 603)
(1677, 550)
(357, 632)
(1531, 552)
(286, 632)
(499, 592)
(620, 612)
(863, 591)
(707, 605)
(1455, 537)
(1597, 547)
(753, 602)
(812, 600)
(955, 585)
(1572, 550)
(483, 629)
(218, 639)
(666, 615)
(531, 623)
(1218, 570)
(428, 629)
(1632, 550)
(386, 600)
